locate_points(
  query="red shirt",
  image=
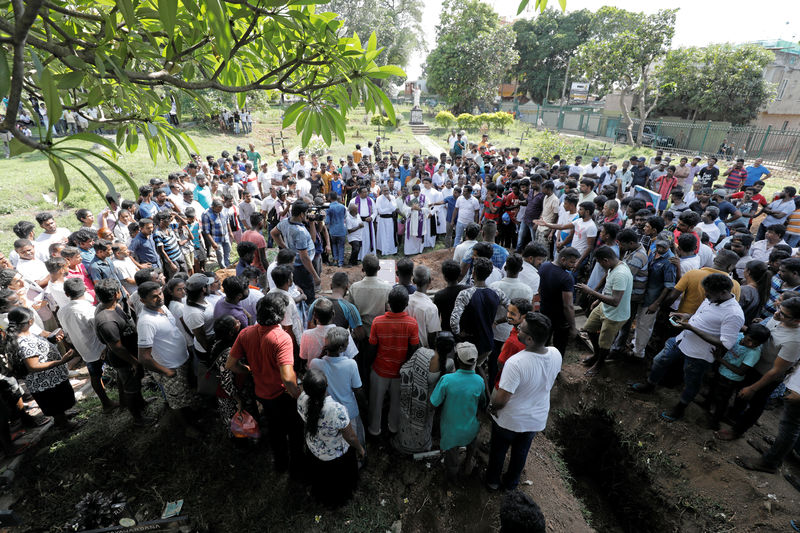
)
(496, 203)
(665, 185)
(512, 346)
(256, 238)
(508, 202)
(735, 178)
(267, 349)
(392, 333)
(757, 197)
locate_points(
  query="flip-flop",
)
(755, 465)
(643, 388)
(666, 415)
(795, 525)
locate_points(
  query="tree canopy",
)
(467, 67)
(397, 24)
(126, 58)
(718, 82)
(545, 45)
(624, 55)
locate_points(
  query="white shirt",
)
(177, 200)
(292, 315)
(528, 377)
(512, 288)
(303, 187)
(194, 318)
(721, 320)
(126, 269)
(32, 269)
(710, 229)
(530, 276)
(306, 167)
(461, 250)
(584, 230)
(706, 256)
(467, 209)
(422, 308)
(575, 169)
(77, 319)
(160, 332)
(44, 240)
(313, 341)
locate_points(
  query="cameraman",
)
(319, 232)
(292, 233)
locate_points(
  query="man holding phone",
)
(713, 329)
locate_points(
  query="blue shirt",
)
(337, 187)
(297, 238)
(144, 250)
(754, 174)
(404, 174)
(203, 196)
(461, 393)
(737, 356)
(148, 209)
(335, 218)
(499, 256)
(660, 275)
(450, 202)
(86, 257)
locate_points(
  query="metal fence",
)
(780, 148)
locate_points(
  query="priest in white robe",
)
(438, 220)
(417, 225)
(366, 211)
(387, 232)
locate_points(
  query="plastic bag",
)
(244, 426)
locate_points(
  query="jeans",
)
(560, 337)
(285, 430)
(788, 432)
(527, 233)
(792, 239)
(493, 365)
(693, 370)
(224, 254)
(502, 440)
(460, 226)
(377, 391)
(747, 412)
(304, 280)
(337, 248)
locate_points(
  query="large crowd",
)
(534, 242)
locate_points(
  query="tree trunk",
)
(627, 114)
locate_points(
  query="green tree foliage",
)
(548, 143)
(444, 119)
(466, 67)
(718, 82)
(397, 24)
(545, 45)
(128, 57)
(622, 57)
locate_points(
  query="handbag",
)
(244, 426)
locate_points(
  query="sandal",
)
(726, 435)
(671, 416)
(644, 388)
(755, 464)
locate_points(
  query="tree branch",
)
(71, 13)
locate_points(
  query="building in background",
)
(784, 111)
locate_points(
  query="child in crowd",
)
(732, 368)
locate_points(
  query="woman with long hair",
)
(37, 360)
(235, 391)
(755, 289)
(331, 441)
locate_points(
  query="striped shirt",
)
(167, 240)
(776, 288)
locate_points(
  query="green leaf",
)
(16, 147)
(70, 80)
(75, 62)
(126, 8)
(86, 177)
(292, 113)
(92, 138)
(168, 13)
(132, 140)
(372, 44)
(50, 93)
(95, 95)
(5, 74)
(522, 5)
(61, 182)
(393, 70)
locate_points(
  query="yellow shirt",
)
(357, 155)
(326, 182)
(691, 285)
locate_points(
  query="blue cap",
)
(595, 159)
(642, 159)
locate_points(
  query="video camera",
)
(316, 213)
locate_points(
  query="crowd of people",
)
(534, 242)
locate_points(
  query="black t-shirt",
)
(445, 301)
(706, 176)
(112, 325)
(553, 280)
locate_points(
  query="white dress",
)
(417, 225)
(366, 208)
(386, 227)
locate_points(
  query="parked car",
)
(649, 137)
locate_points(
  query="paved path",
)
(429, 145)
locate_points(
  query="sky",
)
(699, 22)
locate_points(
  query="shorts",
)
(177, 390)
(188, 256)
(200, 254)
(95, 368)
(597, 322)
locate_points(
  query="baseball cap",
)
(467, 353)
(719, 192)
(664, 238)
(595, 159)
(198, 281)
(642, 159)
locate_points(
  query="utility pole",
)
(563, 92)
(547, 92)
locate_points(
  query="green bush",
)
(547, 143)
(444, 119)
(500, 120)
(380, 120)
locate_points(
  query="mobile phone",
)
(673, 321)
